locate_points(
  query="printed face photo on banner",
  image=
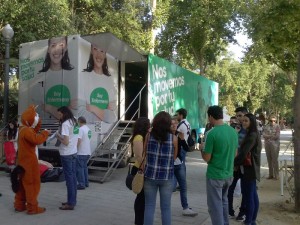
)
(57, 85)
(98, 87)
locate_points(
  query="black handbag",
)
(129, 178)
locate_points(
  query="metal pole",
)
(6, 83)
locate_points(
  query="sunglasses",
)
(239, 115)
(272, 120)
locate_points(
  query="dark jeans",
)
(139, 203)
(68, 163)
(236, 176)
(251, 200)
(82, 171)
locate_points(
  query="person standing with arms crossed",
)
(271, 135)
(219, 152)
(83, 154)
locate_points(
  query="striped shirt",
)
(160, 159)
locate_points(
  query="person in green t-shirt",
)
(219, 151)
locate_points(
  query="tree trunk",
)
(297, 138)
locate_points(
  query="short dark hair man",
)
(179, 166)
(219, 152)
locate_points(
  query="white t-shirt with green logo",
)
(55, 88)
(71, 130)
(98, 90)
(85, 135)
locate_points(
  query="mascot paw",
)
(37, 211)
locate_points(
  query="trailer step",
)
(98, 159)
(98, 168)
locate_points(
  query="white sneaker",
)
(189, 212)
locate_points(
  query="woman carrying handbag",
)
(248, 159)
(140, 130)
(161, 151)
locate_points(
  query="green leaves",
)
(196, 31)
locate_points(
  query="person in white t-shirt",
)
(98, 91)
(183, 130)
(56, 85)
(83, 153)
(68, 153)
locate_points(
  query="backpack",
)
(190, 141)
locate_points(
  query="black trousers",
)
(139, 203)
(236, 176)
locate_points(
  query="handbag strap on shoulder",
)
(144, 151)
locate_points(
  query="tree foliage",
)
(196, 32)
(129, 20)
(241, 84)
(274, 26)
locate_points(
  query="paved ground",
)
(111, 203)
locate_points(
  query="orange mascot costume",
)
(30, 183)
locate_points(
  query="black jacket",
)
(253, 144)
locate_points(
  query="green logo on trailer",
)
(58, 95)
(99, 98)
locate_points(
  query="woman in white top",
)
(99, 92)
(56, 83)
(68, 153)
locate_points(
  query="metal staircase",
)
(115, 147)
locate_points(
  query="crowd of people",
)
(232, 152)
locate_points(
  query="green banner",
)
(171, 87)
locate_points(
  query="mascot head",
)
(29, 117)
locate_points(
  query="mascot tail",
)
(15, 178)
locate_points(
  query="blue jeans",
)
(183, 155)
(174, 183)
(68, 163)
(251, 200)
(217, 200)
(180, 174)
(165, 188)
(82, 170)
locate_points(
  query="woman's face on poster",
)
(98, 56)
(57, 48)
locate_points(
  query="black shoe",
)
(80, 188)
(66, 207)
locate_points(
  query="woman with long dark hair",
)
(250, 148)
(161, 151)
(12, 133)
(99, 93)
(57, 56)
(140, 130)
(68, 153)
(56, 82)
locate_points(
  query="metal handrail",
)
(118, 122)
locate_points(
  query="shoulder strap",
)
(188, 128)
(144, 151)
